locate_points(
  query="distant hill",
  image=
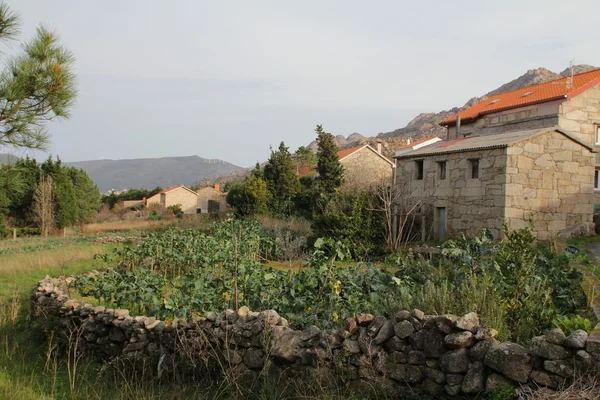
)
(152, 172)
(426, 125)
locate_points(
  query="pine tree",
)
(330, 171)
(281, 178)
(43, 205)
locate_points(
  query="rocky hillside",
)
(427, 124)
(152, 172)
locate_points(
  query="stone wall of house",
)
(210, 193)
(441, 354)
(520, 119)
(580, 116)
(471, 204)
(364, 168)
(550, 178)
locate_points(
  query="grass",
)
(127, 225)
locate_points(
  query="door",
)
(441, 223)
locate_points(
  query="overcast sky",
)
(227, 79)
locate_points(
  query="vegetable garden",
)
(515, 286)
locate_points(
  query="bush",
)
(504, 391)
(571, 324)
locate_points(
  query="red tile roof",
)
(171, 188)
(542, 93)
(347, 152)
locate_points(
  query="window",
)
(597, 179)
(474, 168)
(597, 134)
(419, 165)
(442, 170)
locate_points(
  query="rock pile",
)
(444, 354)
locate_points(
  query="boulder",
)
(364, 319)
(494, 380)
(576, 340)
(542, 348)
(545, 379)
(474, 379)
(418, 314)
(402, 316)
(459, 340)
(385, 332)
(592, 346)
(350, 325)
(468, 322)
(433, 343)
(562, 368)
(480, 349)
(254, 358)
(556, 336)
(404, 373)
(404, 329)
(455, 361)
(375, 326)
(510, 359)
(446, 323)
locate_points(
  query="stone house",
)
(212, 200)
(571, 104)
(417, 144)
(526, 154)
(476, 182)
(364, 167)
(176, 195)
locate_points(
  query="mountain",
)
(427, 124)
(152, 172)
(342, 142)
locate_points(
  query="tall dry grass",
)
(293, 223)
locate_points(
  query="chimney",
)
(379, 146)
(217, 187)
(407, 141)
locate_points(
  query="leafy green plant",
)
(571, 324)
(503, 391)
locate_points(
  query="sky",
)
(229, 79)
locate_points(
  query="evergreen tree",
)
(305, 160)
(330, 171)
(87, 195)
(66, 212)
(250, 196)
(282, 181)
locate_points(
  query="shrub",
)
(571, 324)
(504, 391)
(176, 211)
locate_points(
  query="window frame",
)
(420, 169)
(474, 168)
(442, 170)
(597, 179)
(597, 134)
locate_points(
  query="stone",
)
(433, 343)
(494, 380)
(416, 357)
(351, 346)
(243, 311)
(455, 361)
(592, 346)
(542, 348)
(480, 349)
(452, 390)
(375, 326)
(350, 325)
(398, 357)
(459, 340)
(364, 319)
(433, 388)
(403, 316)
(418, 314)
(435, 375)
(474, 381)
(582, 356)
(468, 322)
(121, 314)
(563, 368)
(445, 323)
(576, 340)
(454, 379)
(211, 316)
(385, 332)
(545, 379)
(404, 373)
(117, 335)
(254, 358)
(417, 339)
(404, 329)
(511, 360)
(556, 336)
(394, 344)
(367, 344)
(270, 317)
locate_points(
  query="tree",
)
(251, 196)
(66, 212)
(37, 86)
(305, 160)
(43, 206)
(87, 195)
(330, 171)
(282, 181)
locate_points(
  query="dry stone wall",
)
(441, 354)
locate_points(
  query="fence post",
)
(14, 233)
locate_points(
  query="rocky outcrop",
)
(442, 354)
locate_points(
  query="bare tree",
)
(43, 206)
(401, 206)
